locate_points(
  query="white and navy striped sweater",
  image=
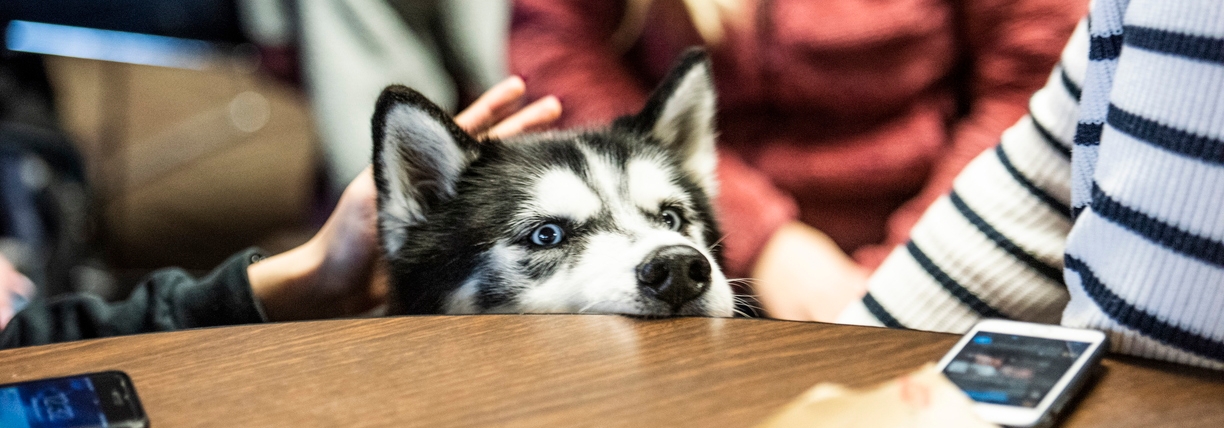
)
(1104, 208)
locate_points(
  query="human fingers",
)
(14, 282)
(13, 287)
(492, 106)
(7, 311)
(536, 115)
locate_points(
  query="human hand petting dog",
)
(340, 271)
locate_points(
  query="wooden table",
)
(549, 370)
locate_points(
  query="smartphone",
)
(105, 399)
(1022, 374)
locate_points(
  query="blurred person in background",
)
(449, 50)
(840, 121)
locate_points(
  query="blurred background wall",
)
(206, 126)
(188, 165)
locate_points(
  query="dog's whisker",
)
(743, 313)
(746, 300)
(745, 281)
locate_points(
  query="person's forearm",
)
(1145, 258)
(335, 274)
(167, 300)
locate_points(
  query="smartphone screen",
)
(92, 400)
(1009, 369)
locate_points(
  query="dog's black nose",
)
(674, 274)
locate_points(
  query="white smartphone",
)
(1022, 374)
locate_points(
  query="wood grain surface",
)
(550, 370)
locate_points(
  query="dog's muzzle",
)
(675, 275)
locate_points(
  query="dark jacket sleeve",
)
(166, 300)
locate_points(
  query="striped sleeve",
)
(1145, 258)
(993, 247)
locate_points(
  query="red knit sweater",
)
(843, 114)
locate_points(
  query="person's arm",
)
(337, 273)
(167, 300)
(1145, 258)
(992, 247)
(1010, 47)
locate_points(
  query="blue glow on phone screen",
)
(56, 403)
(1010, 369)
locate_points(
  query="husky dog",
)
(616, 220)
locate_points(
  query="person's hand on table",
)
(340, 271)
(803, 275)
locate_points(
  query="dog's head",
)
(616, 220)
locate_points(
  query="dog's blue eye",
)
(672, 219)
(547, 235)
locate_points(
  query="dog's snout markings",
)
(674, 274)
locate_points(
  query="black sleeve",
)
(166, 300)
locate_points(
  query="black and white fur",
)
(616, 220)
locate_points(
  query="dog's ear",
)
(680, 115)
(419, 153)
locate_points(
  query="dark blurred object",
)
(215, 20)
(43, 198)
(25, 94)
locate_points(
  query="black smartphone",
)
(1022, 374)
(105, 399)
